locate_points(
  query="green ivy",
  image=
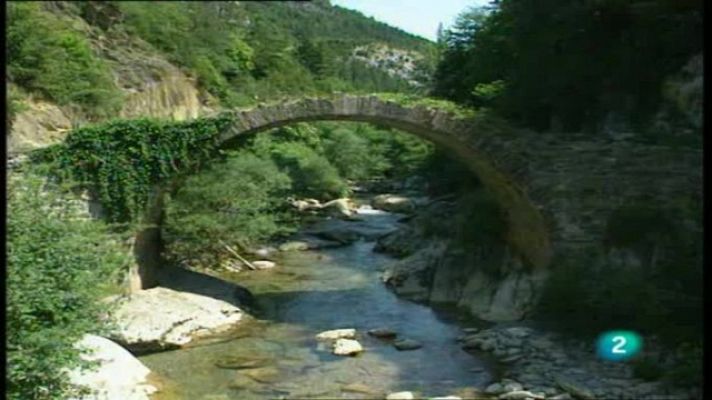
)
(122, 160)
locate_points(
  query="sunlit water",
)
(310, 292)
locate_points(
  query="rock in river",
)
(160, 318)
(119, 376)
(382, 333)
(347, 347)
(400, 396)
(407, 344)
(264, 264)
(337, 334)
(392, 203)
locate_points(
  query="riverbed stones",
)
(262, 374)
(495, 388)
(347, 347)
(574, 388)
(400, 396)
(383, 333)
(335, 334)
(520, 395)
(160, 318)
(241, 362)
(392, 203)
(264, 264)
(119, 375)
(294, 245)
(407, 344)
(359, 388)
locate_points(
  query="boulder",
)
(160, 318)
(346, 347)
(119, 375)
(400, 396)
(337, 334)
(392, 203)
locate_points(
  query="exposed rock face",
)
(174, 97)
(487, 280)
(159, 318)
(41, 124)
(119, 376)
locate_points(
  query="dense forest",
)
(569, 65)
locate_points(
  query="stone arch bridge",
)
(557, 191)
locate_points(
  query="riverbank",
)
(334, 281)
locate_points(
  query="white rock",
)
(337, 334)
(562, 396)
(520, 395)
(119, 376)
(347, 347)
(513, 387)
(161, 318)
(392, 203)
(400, 396)
(446, 398)
(264, 264)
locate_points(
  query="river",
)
(317, 290)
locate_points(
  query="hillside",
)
(75, 62)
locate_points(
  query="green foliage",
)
(242, 200)
(353, 155)
(57, 268)
(414, 101)
(237, 199)
(313, 174)
(46, 55)
(569, 61)
(122, 160)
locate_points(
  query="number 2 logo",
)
(620, 342)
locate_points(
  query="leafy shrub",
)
(235, 200)
(57, 268)
(312, 173)
(354, 156)
(123, 159)
(46, 55)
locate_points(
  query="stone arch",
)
(488, 152)
(497, 156)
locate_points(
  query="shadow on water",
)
(307, 293)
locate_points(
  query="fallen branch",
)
(239, 257)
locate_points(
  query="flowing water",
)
(314, 291)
